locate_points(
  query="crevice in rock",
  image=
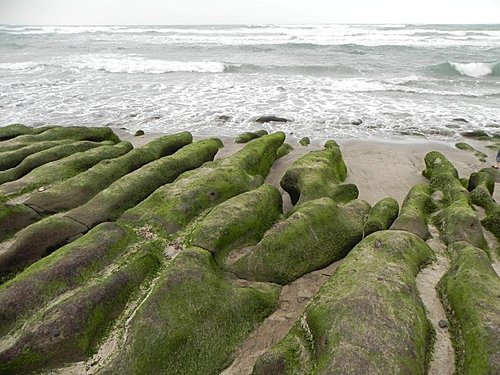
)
(443, 357)
(293, 299)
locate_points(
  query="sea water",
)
(432, 80)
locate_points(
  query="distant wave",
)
(132, 65)
(473, 69)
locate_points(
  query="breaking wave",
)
(473, 69)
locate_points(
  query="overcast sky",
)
(104, 12)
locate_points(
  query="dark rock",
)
(459, 119)
(476, 134)
(443, 323)
(357, 122)
(139, 133)
(224, 118)
(263, 119)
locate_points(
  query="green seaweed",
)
(470, 292)
(366, 319)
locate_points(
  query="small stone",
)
(460, 120)
(56, 332)
(41, 188)
(139, 133)
(357, 122)
(305, 141)
(443, 323)
(378, 244)
(380, 278)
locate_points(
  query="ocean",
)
(427, 80)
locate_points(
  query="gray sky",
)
(99, 12)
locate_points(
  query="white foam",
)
(137, 64)
(474, 69)
(26, 65)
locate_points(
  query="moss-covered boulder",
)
(76, 133)
(318, 174)
(71, 330)
(248, 136)
(318, 233)
(381, 215)
(173, 206)
(14, 217)
(366, 319)
(239, 221)
(60, 170)
(14, 130)
(470, 291)
(67, 268)
(36, 241)
(457, 220)
(43, 157)
(467, 147)
(284, 150)
(414, 212)
(81, 188)
(193, 320)
(305, 141)
(10, 159)
(134, 187)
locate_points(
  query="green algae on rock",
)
(318, 174)
(467, 147)
(193, 319)
(43, 237)
(134, 187)
(14, 130)
(318, 233)
(239, 221)
(470, 292)
(77, 324)
(381, 215)
(284, 150)
(248, 136)
(10, 159)
(366, 319)
(305, 141)
(64, 269)
(81, 188)
(173, 206)
(65, 168)
(43, 157)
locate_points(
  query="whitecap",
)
(474, 69)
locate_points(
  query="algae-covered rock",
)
(10, 159)
(305, 141)
(71, 330)
(193, 320)
(248, 136)
(14, 130)
(173, 206)
(466, 147)
(318, 233)
(134, 187)
(382, 215)
(318, 174)
(283, 150)
(476, 134)
(66, 268)
(470, 290)
(14, 217)
(60, 170)
(456, 221)
(241, 220)
(36, 241)
(139, 133)
(43, 157)
(76, 133)
(81, 188)
(366, 319)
